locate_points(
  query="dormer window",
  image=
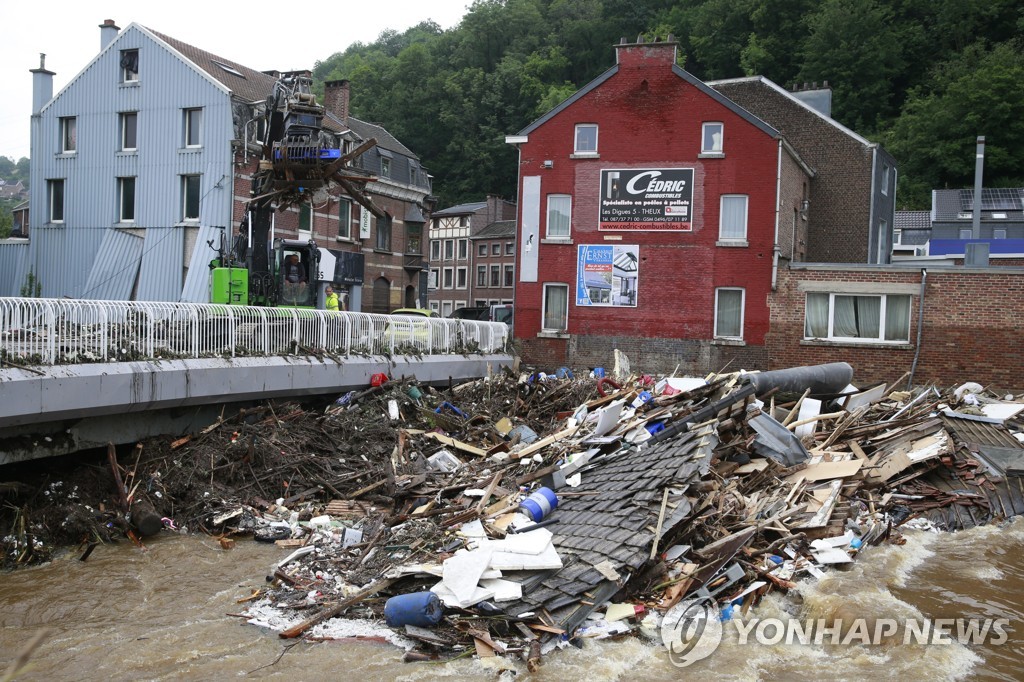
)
(586, 138)
(129, 66)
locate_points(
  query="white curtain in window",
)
(844, 317)
(556, 299)
(734, 217)
(897, 318)
(558, 216)
(816, 316)
(869, 317)
(730, 308)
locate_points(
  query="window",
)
(68, 135)
(510, 278)
(128, 125)
(447, 283)
(413, 237)
(449, 249)
(446, 309)
(733, 225)
(496, 249)
(510, 248)
(305, 219)
(999, 233)
(481, 250)
(728, 313)
(193, 121)
(495, 275)
(435, 249)
(586, 138)
(461, 277)
(463, 249)
(344, 218)
(55, 197)
(556, 307)
(481, 275)
(885, 178)
(190, 197)
(559, 215)
(464, 221)
(385, 168)
(853, 317)
(384, 233)
(435, 306)
(479, 303)
(711, 138)
(435, 273)
(966, 233)
(126, 200)
(129, 66)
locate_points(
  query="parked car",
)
(501, 312)
(420, 312)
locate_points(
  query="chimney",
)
(979, 168)
(643, 53)
(42, 85)
(336, 98)
(108, 31)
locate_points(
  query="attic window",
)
(129, 66)
(229, 69)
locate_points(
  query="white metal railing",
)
(61, 331)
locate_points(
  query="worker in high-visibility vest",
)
(331, 300)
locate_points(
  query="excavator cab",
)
(297, 273)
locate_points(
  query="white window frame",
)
(999, 233)
(510, 248)
(434, 279)
(481, 250)
(463, 249)
(544, 307)
(707, 131)
(185, 217)
(479, 302)
(435, 306)
(68, 124)
(126, 75)
(461, 277)
(344, 218)
(897, 237)
(884, 300)
(435, 250)
(446, 308)
(885, 179)
(495, 280)
(496, 248)
(448, 278)
(192, 122)
(547, 223)
(52, 206)
(743, 310)
(123, 118)
(385, 167)
(122, 184)
(449, 249)
(481, 276)
(965, 233)
(581, 127)
(733, 239)
(509, 275)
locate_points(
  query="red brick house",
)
(649, 221)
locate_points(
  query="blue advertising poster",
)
(607, 275)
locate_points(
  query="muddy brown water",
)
(162, 614)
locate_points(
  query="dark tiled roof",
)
(501, 229)
(462, 209)
(385, 140)
(912, 220)
(615, 523)
(250, 86)
(948, 204)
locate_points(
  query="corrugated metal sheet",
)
(115, 267)
(197, 281)
(13, 266)
(61, 259)
(160, 276)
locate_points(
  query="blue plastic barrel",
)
(539, 504)
(422, 609)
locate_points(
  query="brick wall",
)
(970, 326)
(840, 192)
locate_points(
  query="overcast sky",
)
(264, 35)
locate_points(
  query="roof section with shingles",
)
(912, 220)
(461, 209)
(497, 230)
(385, 140)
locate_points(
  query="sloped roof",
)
(501, 229)
(912, 220)
(948, 204)
(385, 140)
(247, 84)
(462, 209)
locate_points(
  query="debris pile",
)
(519, 513)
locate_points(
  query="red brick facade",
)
(970, 328)
(650, 116)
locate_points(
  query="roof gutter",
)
(778, 202)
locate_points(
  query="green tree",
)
(975, 93)
(6, 223)
(852, 44)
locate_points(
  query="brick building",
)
(851, 200)
(868, 316)
(452, 256)
(649, 221)
(494, 280)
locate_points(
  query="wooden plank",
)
(368, 591)
(457, 444)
